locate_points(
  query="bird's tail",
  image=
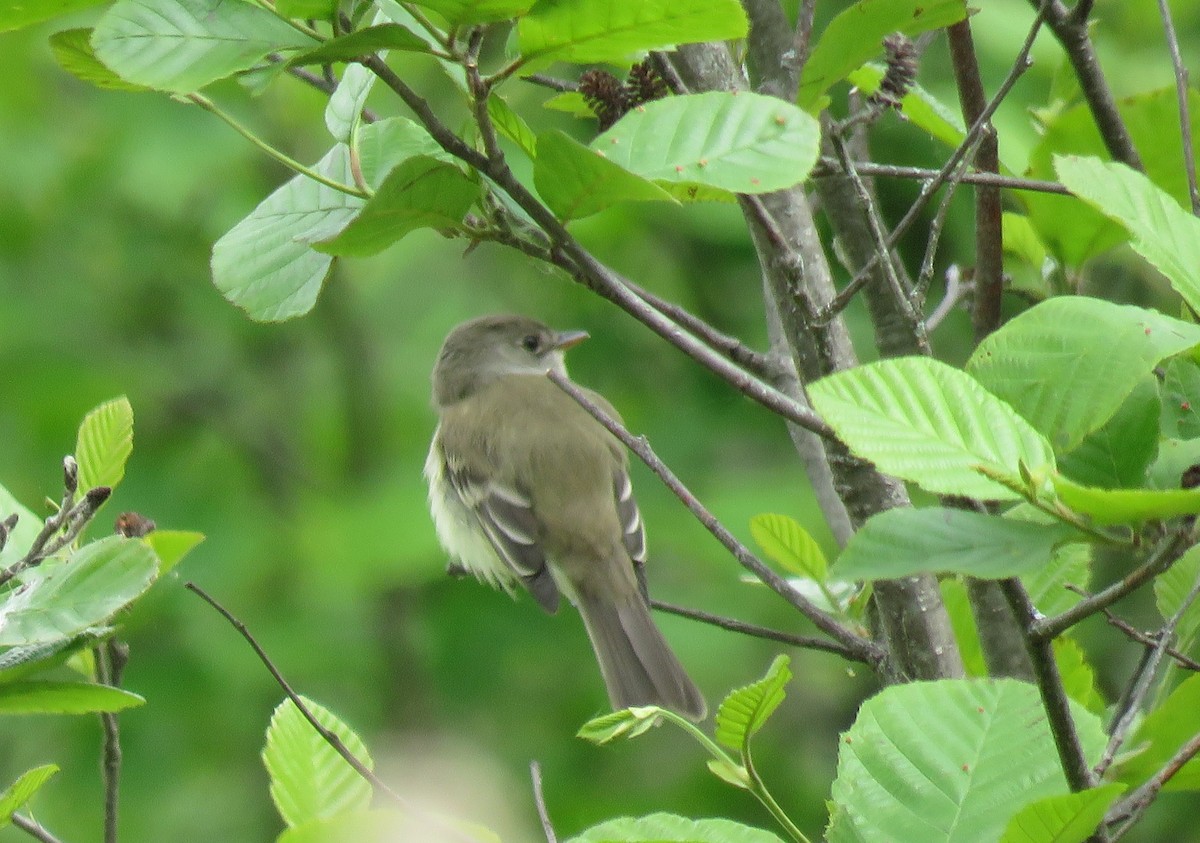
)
(635, 660)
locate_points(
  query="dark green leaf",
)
(344, 48)
(1118, 454)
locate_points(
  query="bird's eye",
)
(531, 343)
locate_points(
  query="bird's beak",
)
(567, 339)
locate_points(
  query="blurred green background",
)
(297, 449)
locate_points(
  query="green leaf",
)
(384, 145)
(170, 546)
(19, 662)
(1047, 364)
(1021, 239)
(307, 9)
(23, 534)
(904, 541)
(362, 42)
(570, 102)
(744, 142)
(1066, 818)
(1126, 506)
(919, 107)
(344, 110)
(182, 45)
(421, 192)
(993, 754)
(856, 34)
(1118, 454)
(457, 12)
(1181, 399)
(17, 14)
(926, 422)
(512, 125)
(669, 828)
(1161, 735)
(1174, 458)
(729, 772)
(1078, 677)
(1047, 589)
(23, 789)
(1071, 228)
(64, 698)
(1171, 589)
(626, 723)
(72, 50)
(309, 779)
(1162, 232)
(744, 711)
(379, 826)
(788, 544)
(62, 598)
(104, 443)
(962, 620)
(594, 31)
(576, 181)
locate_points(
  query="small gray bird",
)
(527, 488)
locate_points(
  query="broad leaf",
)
(182, 45)
(1118, 454)
(384, 145)
(626, 723)
(743, 712)
(1171, 589)
(104, 443)
(1048, 365)
(62, 598)
(745, 142)
(73, 51)
(993, 754)
(459, 12)
(309, 780)
(1181, 399)
(1066, 818)
(1162, 232)
(904, 541)
(593, 31)
(20, 662)
(855, 36)
(23, 789)
(1175, 457)
(788, 544)
(926, 422)
(421, 192)
(669, 828)
(16, 14)
(1161, 735)
(1078, 677)
(64, 698)
(576, 181)
(1047, 586)
(306, 9)
(512, 125)
(362, 42)
(344, 110)
(170, 546)
(1126, 506)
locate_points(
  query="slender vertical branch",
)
(1181, 94)
(111, 659)
(539, 799)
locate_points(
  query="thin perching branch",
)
(539, 800)
(830, 166)
(1181, 94)
(863, 648)
(111, 659)
(34, 828)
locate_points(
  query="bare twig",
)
(33, 828)
(925, 275)
(1161, 559)
(807, 642)
(1137, 635)
(539, 799)
(863, 648)
(830, 166)
(1181, 93)
(1135, 804)
(560, 85)
(111, 659)
(1050, 687)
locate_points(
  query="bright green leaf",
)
(1161, 735)
(307, 9)
(669, 828)
(1066, 818)
(104, 443)
(1048, 365)
(576, 181)
(20, 662)
(421, 192)
(309, 780)
(62, 598)
(957, 601)
(919, 107)
(23, 789)
(1162, 232)
(1118, 454)
(744, 711)
(1078, 677)
(570, 102)
(477, 11)
(17, 14)
(1172, 587)
(170, 546)
(64, 698)
(182, 45)
(626, 723)
(904, 541)
(1047, 586)
(788, 544)
(993, 754)
(1021, 239)
(593, 31)
(1181, 399)
(384, 145)
(926, 422)
(1126, 506)
(512, 125)
(362, 42)
(744, 142)
(856, 35)
(72, 50)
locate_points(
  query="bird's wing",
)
(633, 531)
(506, 516)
